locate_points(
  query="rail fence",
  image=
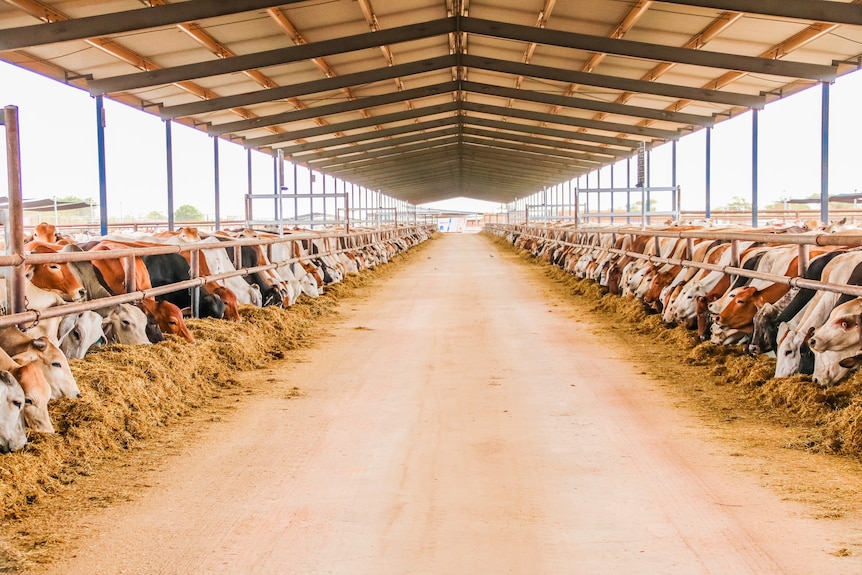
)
(589, 238)
(16, 259)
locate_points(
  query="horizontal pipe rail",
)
(792, 281)
(364, 237)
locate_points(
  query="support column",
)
(103, 178)
(754, 137)
(216, 184)
(169, 164)
(824, 153)
(248, 207)
(14, 224)
(708, 170)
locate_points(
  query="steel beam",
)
(327, 110)
(555, 133)
(361, 148)
(276, 57)
(327, 164)
(127, 21)
(614, 127)
(646, 51)
(814, 10)
(372, 121)
(528, 148)
(585, 104)
(372, 135)
(467, 130)
(612, 82)
(313, 87)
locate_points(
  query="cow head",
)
(169, 317)
(56, 277)
(12, 402)
(37, 393)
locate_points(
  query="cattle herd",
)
(268, 270)
(803, 319)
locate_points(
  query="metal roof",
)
(433, 99)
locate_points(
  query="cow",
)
(37, 393)
(836, 340)
(79, 332)
(168, 315)
(12, 402)
(167, 269)
(55, 277)
(792, 347)
(126, 324)
(46, 356)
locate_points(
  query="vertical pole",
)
(169, 164)
(295, 192)
(275, 186)
(103, 178)
(612, 191)
(648, 200)
(629, 190)
(674, 204)
(322, 175)
(14, 224)
(279, 193)
(194, 264)
(754, 137)
(708, 170)
(248, 207)
(216, 184)
(824, 153)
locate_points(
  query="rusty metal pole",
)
(130, 281)
(15, 216)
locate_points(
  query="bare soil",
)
(469, 415)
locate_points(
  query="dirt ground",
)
(467, 416)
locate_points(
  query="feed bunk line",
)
(803, 241)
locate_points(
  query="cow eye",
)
(28, 401)
(845, 324)
(56, 364)
(788, 352)
(125, 322)
(16, 403)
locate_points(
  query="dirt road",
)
(458, 421)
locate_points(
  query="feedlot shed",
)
(426, 100)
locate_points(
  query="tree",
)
(738, 204)
(155, 215)
(187, 213)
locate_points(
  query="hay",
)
(130, 394)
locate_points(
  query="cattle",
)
(12, 402)
(792, 347)
(37, 393)
(79, 332)
(168, 315)
(47, 357)
(218, 261)
(167, 269)
(126, 324)
(837, 339)
(55, 277)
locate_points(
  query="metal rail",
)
(804, 241)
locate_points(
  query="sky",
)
(59, 154)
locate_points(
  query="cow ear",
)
(40, 343)
(186, 311)
(67, 324)
(25, 357)
(28, 272)
(851, 362)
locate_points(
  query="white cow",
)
(126, 324)
(79, 332)
(12, 401)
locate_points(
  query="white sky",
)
(58, 142)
